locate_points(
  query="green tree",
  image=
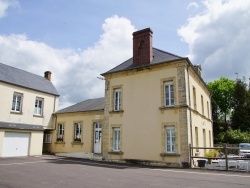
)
(241, 107)
(222, 98)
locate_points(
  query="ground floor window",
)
(170, 140)
(116, 139)
(47, 138)
(77, 132)
(60, 135)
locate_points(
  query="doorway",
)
(97, 137)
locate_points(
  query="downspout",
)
(190, 114)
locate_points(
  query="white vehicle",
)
(244, 149)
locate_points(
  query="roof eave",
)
(30, 88)
(144, 66)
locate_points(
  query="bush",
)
(211, 153)
(236, 136)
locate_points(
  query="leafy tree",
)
(241, 107)
(222, 98)
(222, 101)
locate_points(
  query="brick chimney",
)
(142, 47)
(47, 75)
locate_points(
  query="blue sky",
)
(78, 40)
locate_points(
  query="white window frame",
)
(38, 106)
(60, 132)
(202, 105)
(77, 132)
(117, 99)
(17, 102)
(170, 139)
(47, 138)
(116, 139)
(169, 94)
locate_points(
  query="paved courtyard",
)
(60, 172)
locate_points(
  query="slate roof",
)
(159, 56)
(26, 79)
(21, 126)
(87, 105)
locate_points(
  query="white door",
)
(97, 137)
(15, 144)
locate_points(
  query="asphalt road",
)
(59, 172)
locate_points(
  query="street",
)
(60, 172)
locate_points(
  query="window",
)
(202, 105)
(208, 115)
(194, 98)
(210, 140)
(169, 93)
(60, 135)
(117, 99)
(16, 102)
(204, 138)
(77, 132)
(170, 140)
(47, 138)
(38, 106)
(196, 138)
(116, 139)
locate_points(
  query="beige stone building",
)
(78, 129)
(155, 105)
(27, 104)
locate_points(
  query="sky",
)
(81, 39)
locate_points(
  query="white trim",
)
(168, 94)
(116, 139)
(15, 101)
(117, 99)
(38, 106)
(170, 139)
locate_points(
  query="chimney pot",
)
(47, 75)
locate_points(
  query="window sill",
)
(36, 115)
(170, 154)
(59, 142)
(173, 107)
(16, 112)
(115, 152)
(77, 143)
(116, 112)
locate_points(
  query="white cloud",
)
(74, 72)
(5, 5)
(192, 5)
(218, 38)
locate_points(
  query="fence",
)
(225, 157)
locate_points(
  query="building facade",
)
(156, 104)
(27, 104)
(78, 128)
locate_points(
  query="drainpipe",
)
(190, 114)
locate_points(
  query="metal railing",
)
(227, 157)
